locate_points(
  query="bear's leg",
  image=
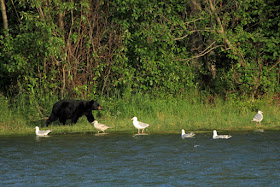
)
(62, 120)
(74, 120)
(52, 118)
(90, 117)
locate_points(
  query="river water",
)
(247, 159)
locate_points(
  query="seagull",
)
(189, 135)
(139, 125)
(216, 136)
(41, 132)
(258, 117)
(100, 126)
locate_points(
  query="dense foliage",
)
(99, 47)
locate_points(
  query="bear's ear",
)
(93, 102)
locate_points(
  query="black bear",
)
(73, 109)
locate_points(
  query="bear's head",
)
(94, 105)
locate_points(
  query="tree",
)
(4, 16)
(81, 49)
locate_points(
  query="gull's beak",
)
(131, 119)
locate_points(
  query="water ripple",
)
(152, 160)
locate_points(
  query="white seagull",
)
(41, 132)
(100, 126)
(258, 117)
(139, 125)
(216, 136)
(189, 135)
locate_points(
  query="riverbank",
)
(57, 130)
(164, 116)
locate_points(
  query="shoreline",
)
(87, 130)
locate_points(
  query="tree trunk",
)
(222, 32)
(4, 16)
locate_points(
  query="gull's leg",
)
(138, 131)
(142, 131)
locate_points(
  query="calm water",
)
(251, 159)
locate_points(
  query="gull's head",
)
(260, 112)
(37, 128)
(95, 122)
(134, 118)
(215, 133)
(183, 132)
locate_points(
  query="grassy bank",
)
(195, 113)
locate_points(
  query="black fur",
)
(72, 109)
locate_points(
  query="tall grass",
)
(193, 112)
(11, 121)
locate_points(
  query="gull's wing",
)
(44, 132)
(103, 125)
(222, 137)
(258, 117)
(189, 135)
(144, 125)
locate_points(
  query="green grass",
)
(164, 115)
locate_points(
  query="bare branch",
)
(207, 50)
(275, 65)
(208, 47)
(182, 37)
(188, 22)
